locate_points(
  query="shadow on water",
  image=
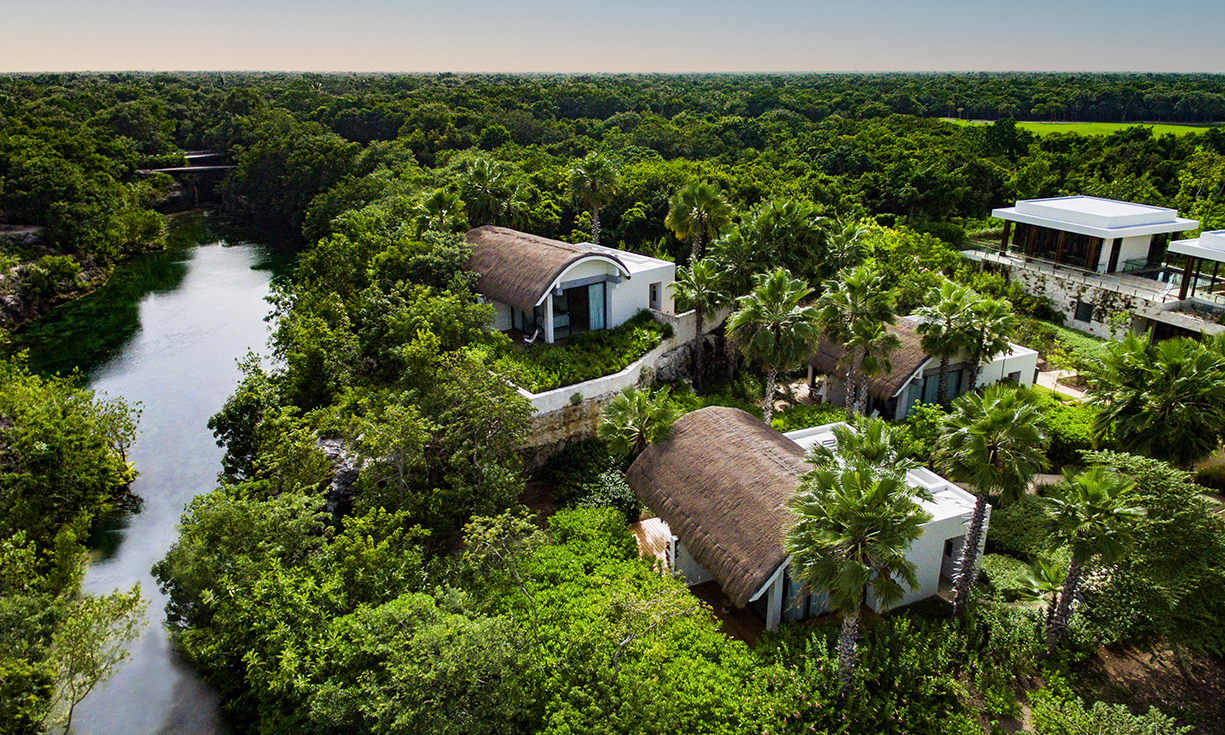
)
(88, 333)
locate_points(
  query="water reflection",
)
(165, 332)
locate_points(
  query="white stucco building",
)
(721, 483)
(1096, 257)
(552, 289)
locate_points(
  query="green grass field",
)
(1092, 128)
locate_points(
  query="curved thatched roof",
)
(721, 481)
(516, 268)
(905, 360)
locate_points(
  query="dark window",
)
(1084, 311)
(948, 547)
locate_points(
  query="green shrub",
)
(1055, 715)
(52, 274)
(586, 356)
(1070, 428)
(922, 426)
(1019, 529)
(1005, 574)
(685, 401)
(610, 490)
(1212, 474)
(578, 465)
(802, 417)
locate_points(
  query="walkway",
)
(1050, 379)
(653, 536)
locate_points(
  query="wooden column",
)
(1059, 246)
(1030, 232)
(1186, 278)
(1007, 232)
(1095, 254)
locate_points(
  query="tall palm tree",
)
(1164, 400)
(853, 527)
(697, 212)
(790, 233)
(772, 329)
(845, 246)
(634, 419)
(993, 442)
(872, 443)
(990, 325)
(700, 286)
(593, 183)
(853, 311)
(943, 328)
(490, 192)
(441, 211)
(1091, 513)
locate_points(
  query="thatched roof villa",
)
(721, 482)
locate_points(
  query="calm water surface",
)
(164, 332)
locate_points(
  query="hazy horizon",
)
(630, 36)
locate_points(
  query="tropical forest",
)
(274, 460)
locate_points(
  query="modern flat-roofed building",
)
(1098, 235)
(1094, 258)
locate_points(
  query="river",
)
(165, 332)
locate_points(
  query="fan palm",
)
(853, 527)
(634, 419)
(441, 211)
(1092, 514)
(989, 326)
(869, 443)
(943, 328)
(697, 212)
(1164, 400)
(490, 193)
(853, 311)
(593, 183)
(993, 442)
(772, 329)
(1043, 581)
(700, 286)
(845, 246)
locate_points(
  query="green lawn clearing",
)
(1092, 128)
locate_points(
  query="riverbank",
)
(22, 298)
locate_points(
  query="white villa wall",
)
(633, 294)
(687, 567)
(502, 316)
(1020, 359)
(1132, 248)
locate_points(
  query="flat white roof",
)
(948, 500)
(635, 262)
(1096, 217)
(1209, 245)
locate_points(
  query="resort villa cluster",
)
(719, 485)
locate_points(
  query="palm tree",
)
(593, 183)
(441, 211)
(872, 443)
(851, 309)
(701, 287)
(790, 233)
(1091, 513)
(1164, 400)
(490, 193)
(844, 246)
(853, 527)
(989, 326)
(1043, 581)
(698, 211)
(772, 329)
(870, 344)
(993, 442)
(943, 328)
(634, 419)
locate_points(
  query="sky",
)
(612, 35)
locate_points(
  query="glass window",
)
(1084, 311)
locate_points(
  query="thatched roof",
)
(516, 268)
(905, 360)
(721, 481)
